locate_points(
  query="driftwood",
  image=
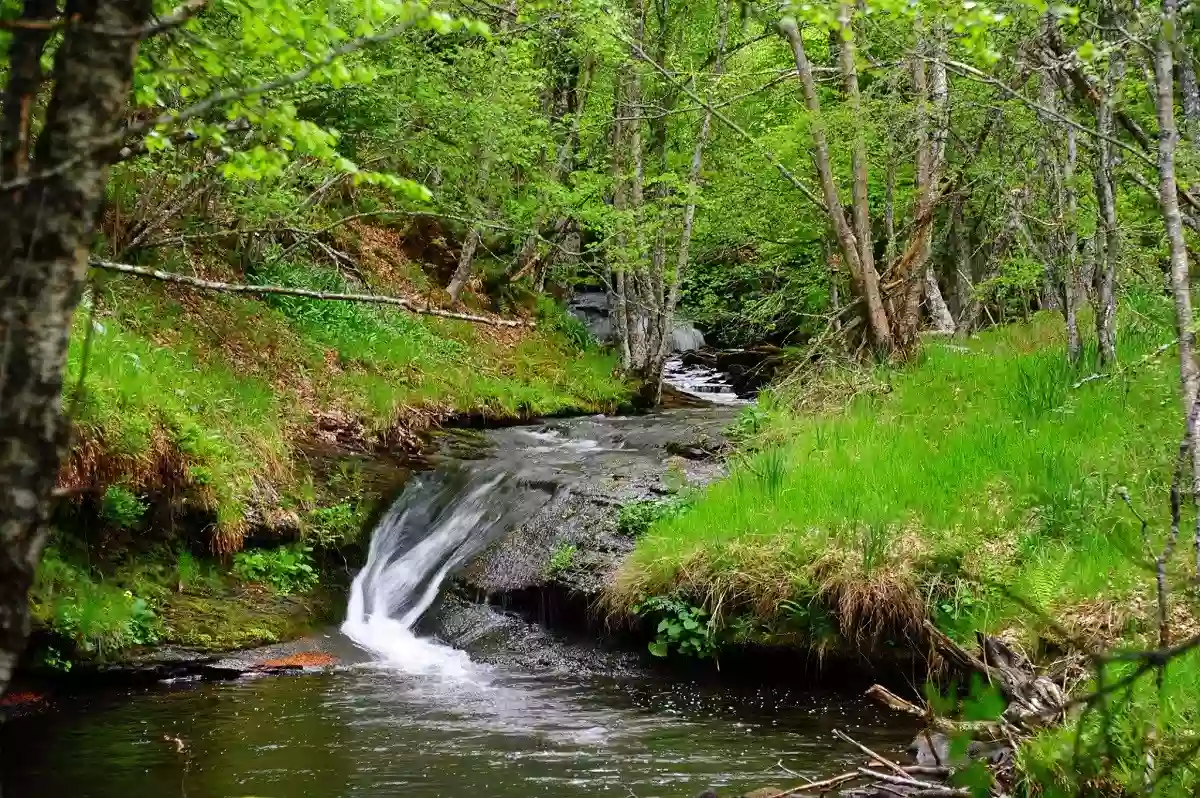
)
(1034, 700)
(237, 288)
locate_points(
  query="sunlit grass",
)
(209, 396)
(977, 480)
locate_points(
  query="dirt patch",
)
(303, 659)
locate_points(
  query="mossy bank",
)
(207, 422)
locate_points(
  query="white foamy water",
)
(395, 588)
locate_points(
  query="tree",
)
(53, 178)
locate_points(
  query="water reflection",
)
(367, 732)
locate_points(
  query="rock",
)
(621, 460)
(268, 527)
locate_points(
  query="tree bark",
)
(466, 261)
(1168, 199)
(858, 153)
(1109, 237)
(46, 229)
(866, 282)
(932, 92)
(1189, 89)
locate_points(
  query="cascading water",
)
(440, 521)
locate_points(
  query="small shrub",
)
(635, 518)
(561, 560)
(98, 618)
(682, 627)
(750, 422)
(287, 569)
(121, 507)
(555, 318)
(338, 524)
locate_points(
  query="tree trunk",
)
(858, 153)
(1190, 91)
(46, 230)
(1069, 250)
(1168, 199)
(932, 132)
(1109, 236)
(466, 261)
(866, 283)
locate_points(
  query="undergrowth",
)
(976, 488)
(205, 399)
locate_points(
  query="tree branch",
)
(236, 288)
(734, 126)
(216, 100)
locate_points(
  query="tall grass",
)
(983, 476)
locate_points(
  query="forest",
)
(256, 256)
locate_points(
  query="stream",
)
(439, 696)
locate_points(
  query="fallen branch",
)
(237, 288)
(841, 735)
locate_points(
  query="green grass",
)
(978, 479)
(207, 396)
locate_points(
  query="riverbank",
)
(210, 423)
(979, 490)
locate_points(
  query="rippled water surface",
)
(374, 732)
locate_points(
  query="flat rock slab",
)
(593, 466)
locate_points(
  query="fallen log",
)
(238, 288)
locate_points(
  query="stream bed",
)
(443, 687)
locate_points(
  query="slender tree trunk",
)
(960, 253)
(46, 230)
(1070, 250)
(1168, 200)
(1190, 91)
(858, 154)
(689, 211)
(1109, 239)
(932, 131)
(466, 259)
(866, 283)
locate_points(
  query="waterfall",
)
(437, 524)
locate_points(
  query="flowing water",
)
(412, 715)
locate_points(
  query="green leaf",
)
(658, 648)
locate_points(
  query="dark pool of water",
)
(373, 732)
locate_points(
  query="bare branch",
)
(236, 288)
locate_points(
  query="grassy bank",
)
(980, 488)
(961, 489)
(204, 418)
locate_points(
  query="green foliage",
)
(337, 524)
(287, 569)
(682, 627)
(121, 507)
(98, 618)
(635, 518)
(1145, 733)
(561, 560)
(555, 318)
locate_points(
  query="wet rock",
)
(592, 467)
